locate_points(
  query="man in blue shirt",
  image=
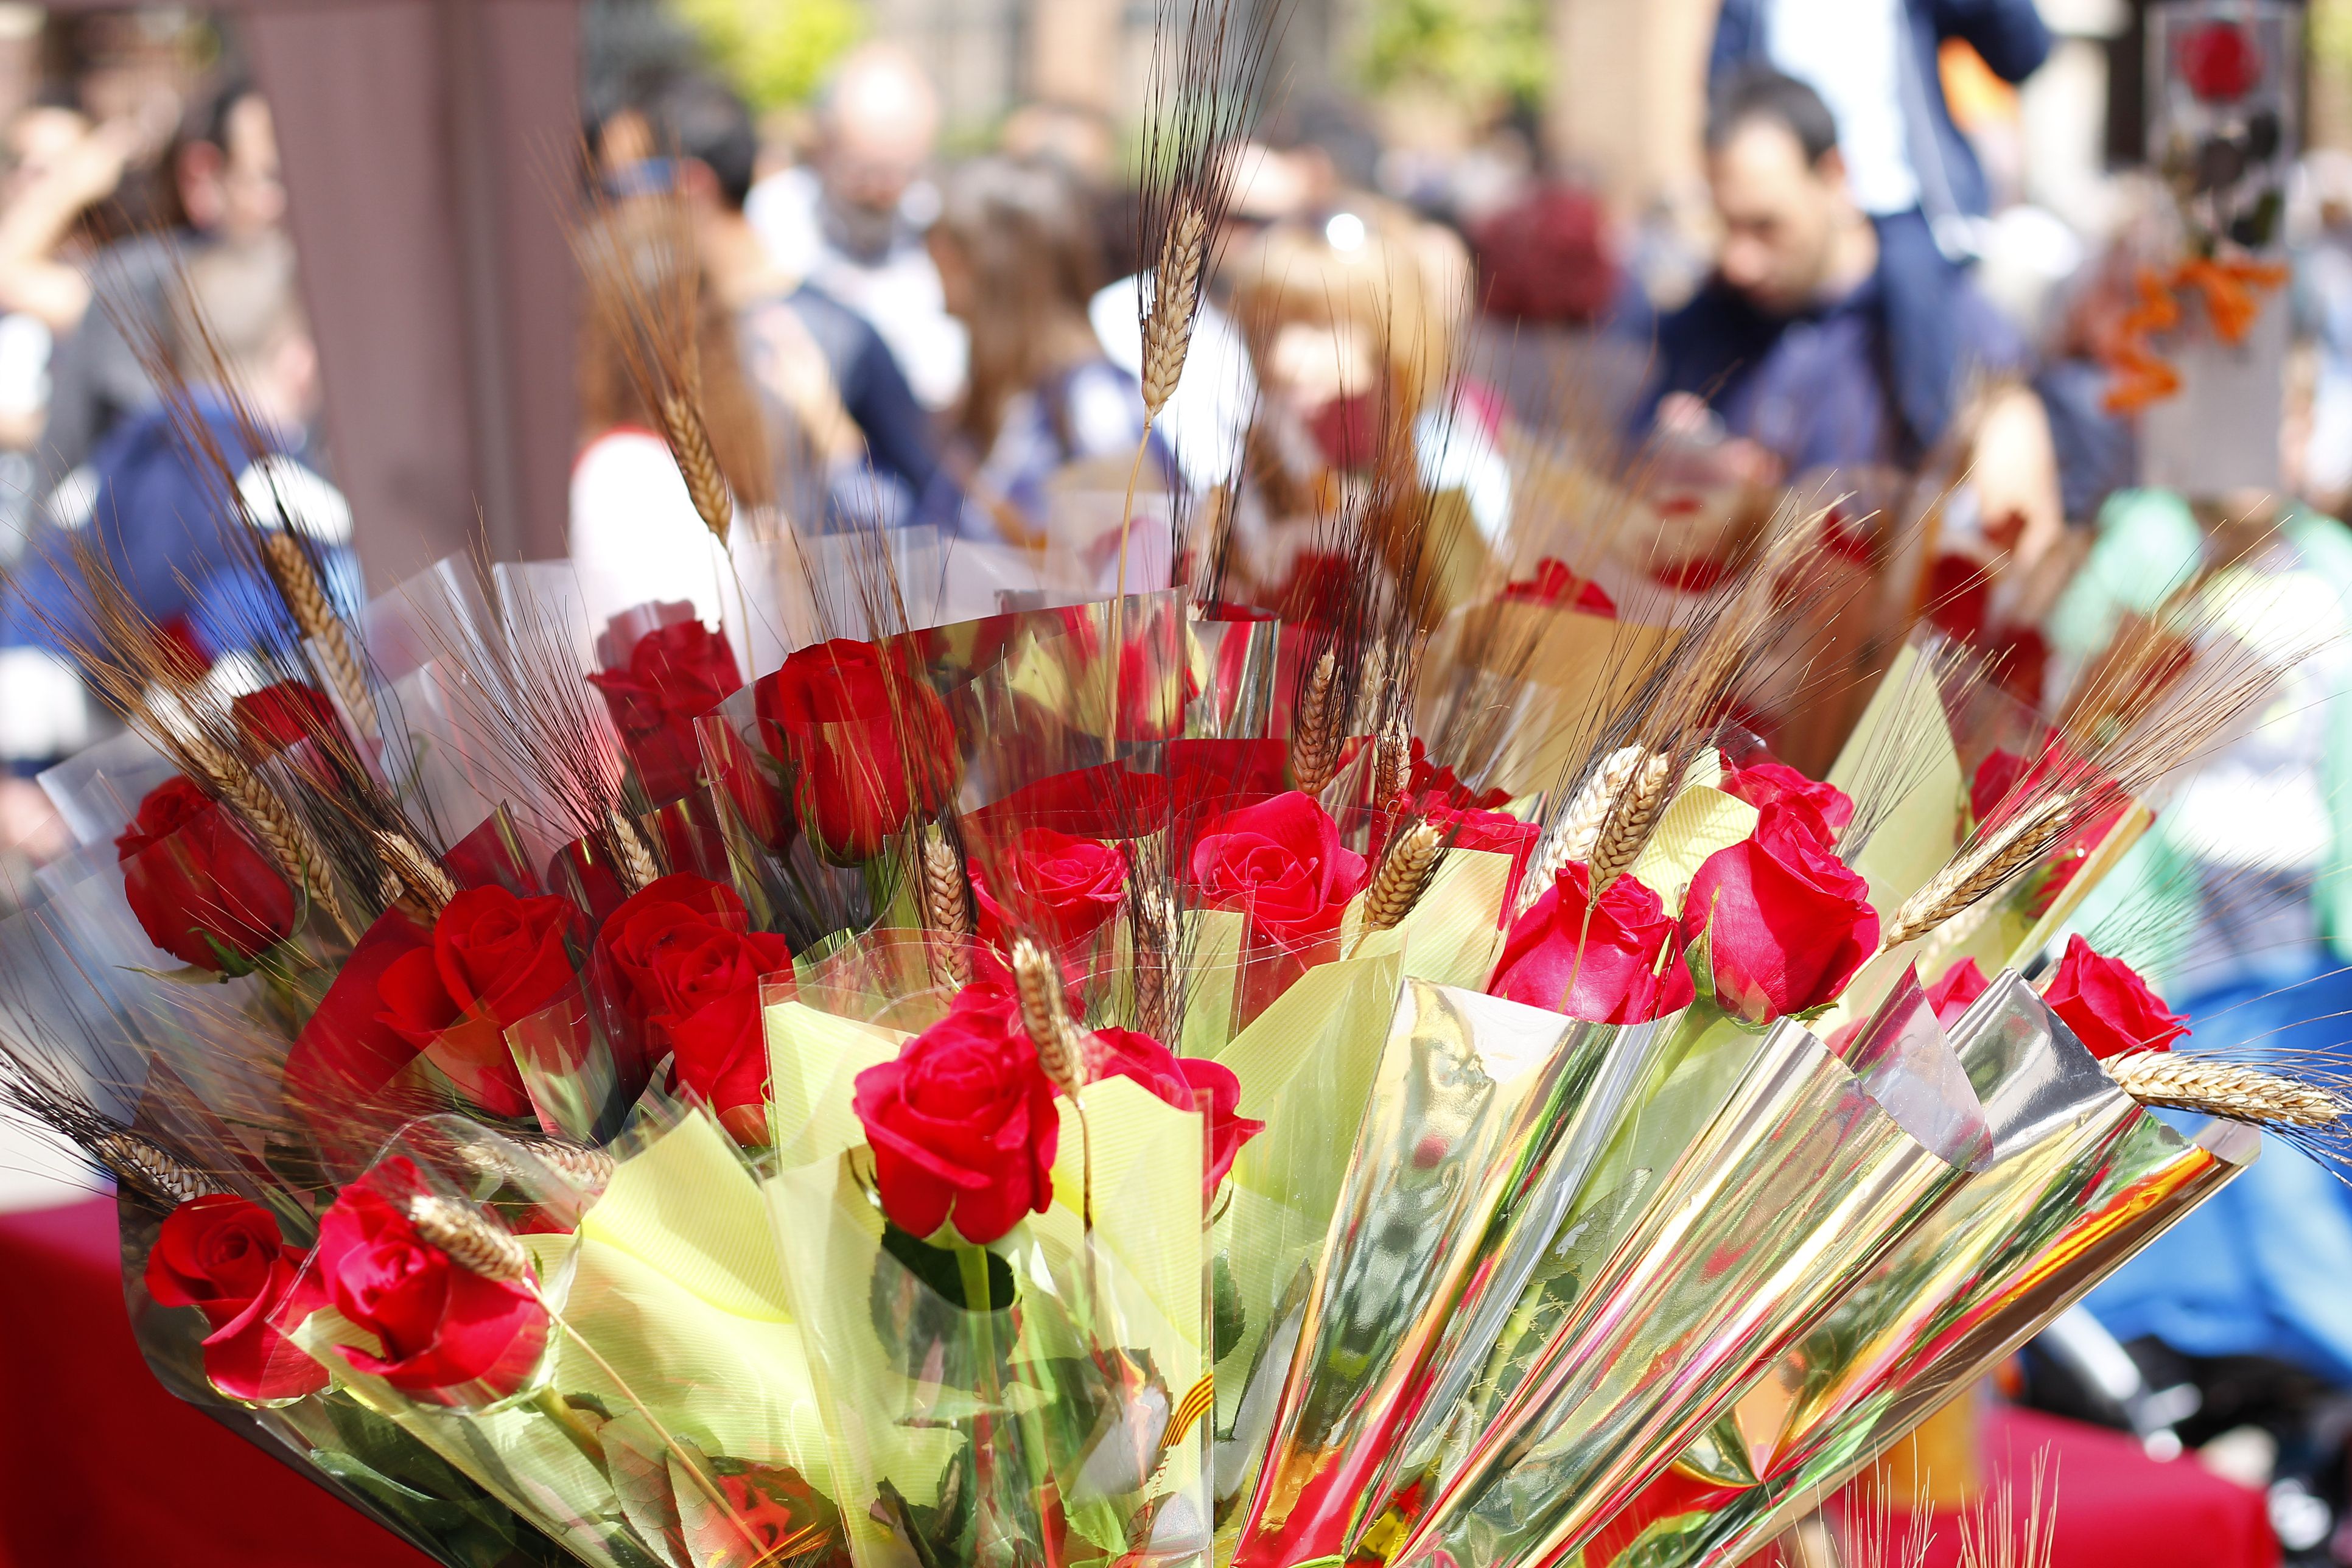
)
(1787, 350)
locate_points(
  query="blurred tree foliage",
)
(774, 51)
(1482, 54)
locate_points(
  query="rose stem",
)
(1119, 591)
(972, 1266)
(709, 1488)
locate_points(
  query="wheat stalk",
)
(1314, 750)
(1045, 1013)
(1175, 300)
(1403, 876)
(288, 840)
(298, 584)
(697, 464)
(1975, 872)
(138, 1163)
(1153, 935)
(633, 858)
(472, 1242)
(1626, 827)
(2231, 1089)
(1392, 761)
(947, 907)
(417, 872)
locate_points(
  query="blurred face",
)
(253, 194)
(37, 140)
(1781, 215)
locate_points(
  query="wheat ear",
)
(290, 842)
(1578, 828)
(1631, 815)
(947, 907)
(472, 1242)
(1175, 300)
(2230, 1090)
(1974, 873)
(636, 861)
(1403, 876)
(420, 875)
(138, 1162)
(576, 1164)
(1314, 750)
(1045, 1013)
(1153, 935)
(1392, 761)
(697, 464)
(298, 584)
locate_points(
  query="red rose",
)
(690, 969)
(869, 745)
(1556, 587)
(495, 958)
(2005, 781)
(285, 714)
(224, 1255)
(1785, 921)
(2219, 61)
(675, 675)
(1108, 801)
(1428, 778)
(2109, 1005)
(1182, 1081)
(964, 1123)
(1824, 805)
(348, 1050)
(202, 893)
(1954, 990)
(1282, 863)
(1065, 889)
(1619, 964)
(439, 1326)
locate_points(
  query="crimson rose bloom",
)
(1787, 924)
(1282, 863)
(224, 1255)
(495, 958)
(202, 893)
(349, 1050)
(283, 715)
(1556, 587)
(2109, 1005)
(868, 743)
(439, 1326)
(1065, 888)
(1180, 1080)
(1604, 967)
(689, 968)
(1825, 805)
(962, 1124)
(1954, 990)
(2219, 61)
(2006, 781)
(675, 675)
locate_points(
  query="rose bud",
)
(224, 1255)
(201, 891)
(438, 1325)
(676, 674)
(1610, 962)
(495, 958)
(1785, 923)
(1954, 990)
(1182, 1081)
(1066, 889)
(1824, 805)
(964, 1123)
(2108, 1005)
(868, 743)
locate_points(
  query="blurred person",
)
(814, 357)
(2322, 305)
(156, 513)
(1021, 260)
(851, 220)
(1789, 358)
(225, 172)
(1908, 167)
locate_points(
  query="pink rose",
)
(1784, 921)
(2108, 1005)
(1610, 962)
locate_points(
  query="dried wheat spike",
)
(705, 485)
(1313, 749)
(288, 841)
(2231, 1089)
(298, 584)
(1392, 761)
(1975, 873)
(635, 860)
(137, 1162)
(1154, 936)
(472, 1242)
(1403, 876)
(420, 875)
(947, 907)
(1631, 815)
(1175, 299)
(576, 1164)
(1061, 1049)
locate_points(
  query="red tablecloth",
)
(101, 1468)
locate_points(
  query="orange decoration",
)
(2231, 287)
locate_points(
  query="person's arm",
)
(898, 435)
(2009, 33)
